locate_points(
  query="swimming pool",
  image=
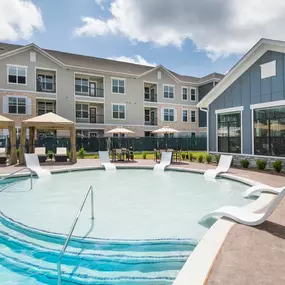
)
(146, 225)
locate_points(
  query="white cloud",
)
(135, 59)
(18, 19)
(100, 3)
(217, 27)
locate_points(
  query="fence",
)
(138, 144)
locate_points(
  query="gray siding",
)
(249, 89)
(203, 91)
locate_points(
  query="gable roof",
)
(260, 48)
(70, 60)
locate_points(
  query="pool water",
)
(146, 225)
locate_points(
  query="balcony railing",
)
(46, 87)
(98, 119)
(89, 91)
(150, 97)
(151, 122)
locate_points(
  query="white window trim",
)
(82, 103)
(268, 104)
(46, 101)
(191, 116)
(184, 87)
(174, 110)
(229, 110)
(237, 110)
(183, 109)
(119, 104)
(169, 85)
(17, 114)
(16, 65)
(118, 78)
(47, 69)
(193, 88)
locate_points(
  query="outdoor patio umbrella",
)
(120, 131)
(165, 131)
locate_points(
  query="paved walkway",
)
(250, 255)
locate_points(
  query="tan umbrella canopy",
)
(165, 130)
(120, 130)
(49, 121)
(9, 124)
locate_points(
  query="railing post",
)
(31, 179)
(92, 204)
(58, 273)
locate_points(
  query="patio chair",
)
(32, 161)
(3, 155)
(105, 161)
(41, 153)
(164, 162)
(257, 189)
(61, 154)
(244, 216)
(223, 166)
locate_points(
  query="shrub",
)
(217, 157)
(277, 165)
(144, 154)
(81, 153)
(183, 155)
(200, 158)
(50, 154)
(18, 152)
(208, 158)
(244, 163)
(68, 153)
(191, 156)
(261, 164)
(157, 155)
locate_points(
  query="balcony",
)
(89, 91)
(150, 92)
(151, 122)
(46, 87)
(150, 97)
(45, 81)
(97, 119)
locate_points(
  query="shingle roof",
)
(107, 64)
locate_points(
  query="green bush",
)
(191, 156)
(144, 154)
(50, 154)
(208, 158)
(244, 163)
(200, 158)
(277, 165)
(217, 157)
(18, 152)
(81, 153)
(68, 153)
(183, 155)
(261, 164)
(157, 155)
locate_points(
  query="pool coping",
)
(196, 270)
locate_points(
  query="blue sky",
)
(62, 17)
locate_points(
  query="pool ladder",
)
(90, 190)
(19, 170)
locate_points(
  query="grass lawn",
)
(139, 155)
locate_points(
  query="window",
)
(193, 134)
(81, 85)
(229, 132)
(147, 115)
(184, 93)
(147, 93)
(45, 83)
(168, 91)
(193, 116)
(44, 107)
(119, 112)
(17, 105)
(17, 74)
(82, 133)
(118, 86)
(168, 115)
(117, 135)
(193, 94)
(82, 111)
(269, 131)
(185, 116)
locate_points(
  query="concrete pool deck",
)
(249, 255)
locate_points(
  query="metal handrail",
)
(19, 170)
(72, 229)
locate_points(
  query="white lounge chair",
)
(105, 161)
(32, 161)
(41, 153)
(164, 161)
(3, 155)
(61, 154)
(257, 189)
(244, 216)
(223, 166)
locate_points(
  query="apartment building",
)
(99, 94)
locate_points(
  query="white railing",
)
(90, 190)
